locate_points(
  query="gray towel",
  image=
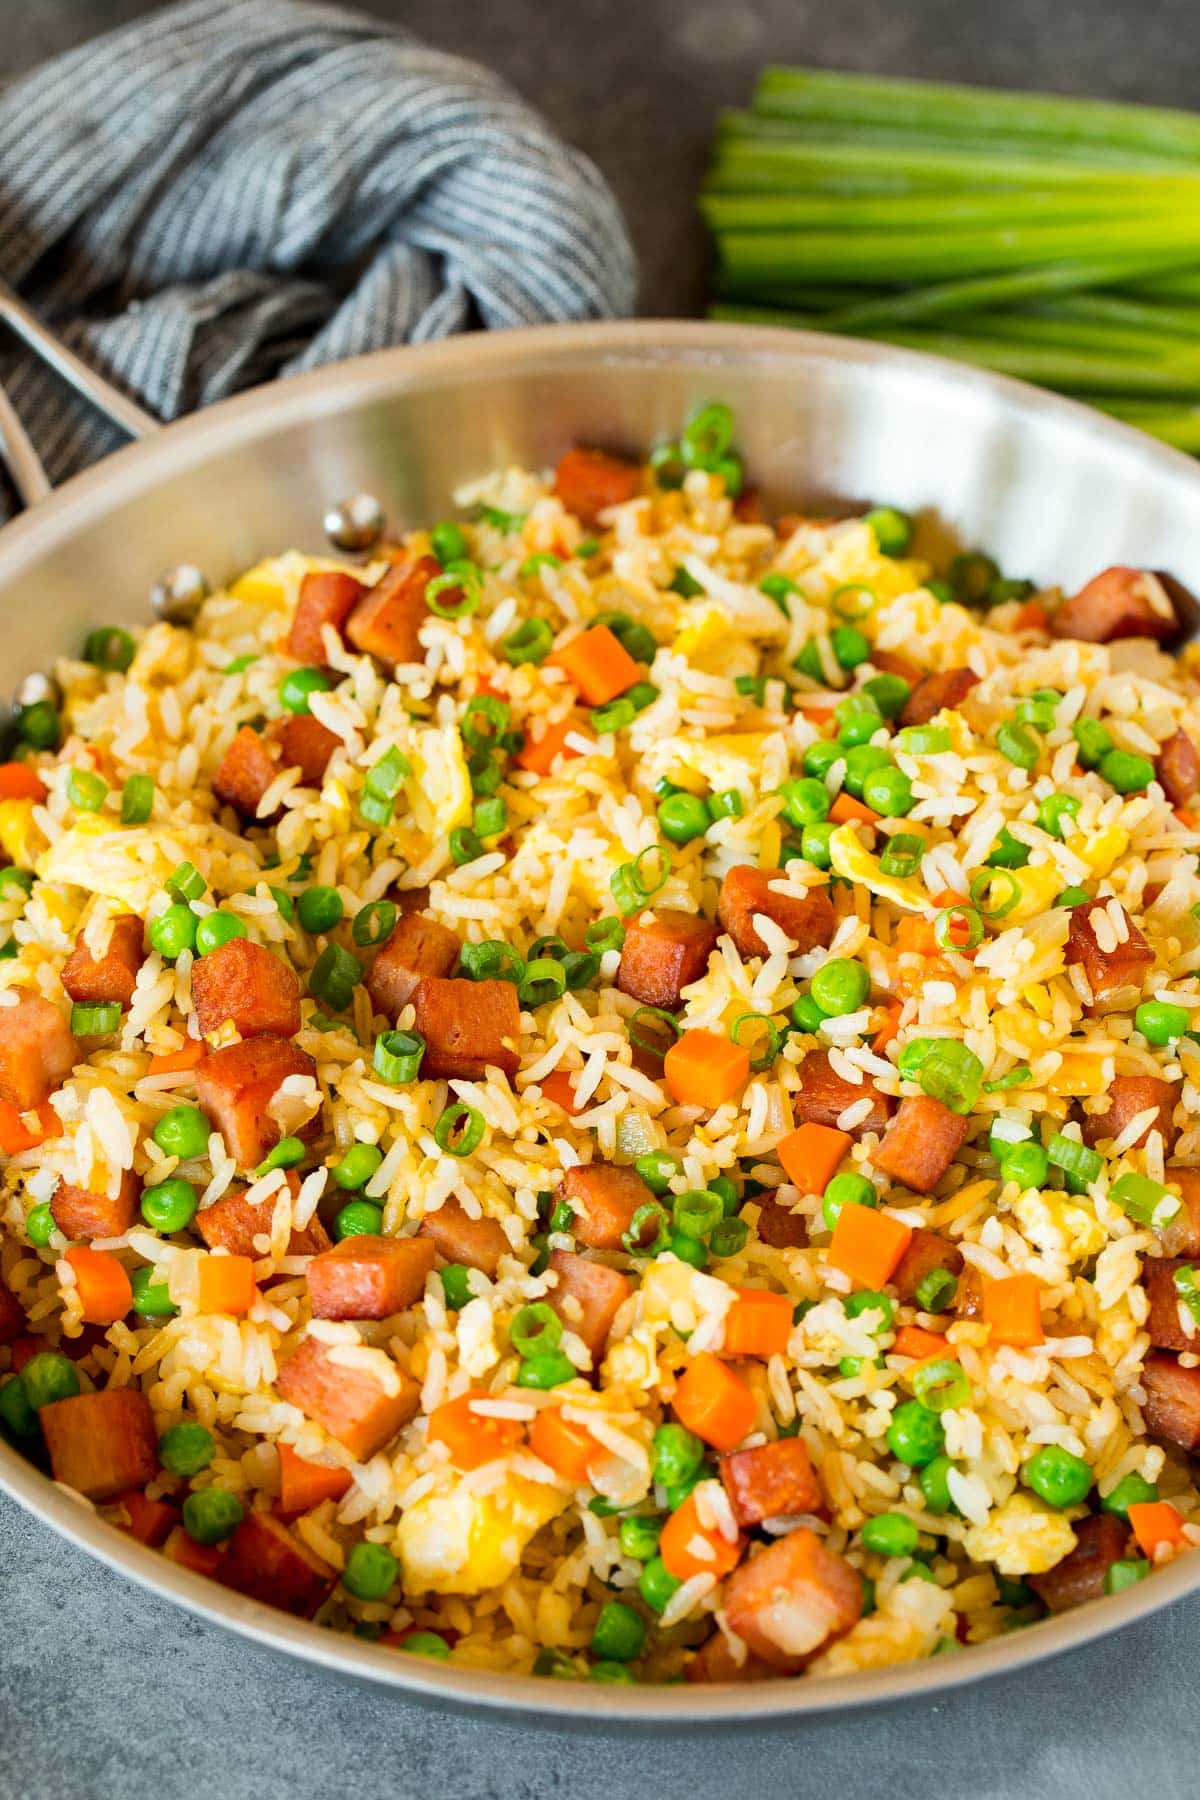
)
(236, 189)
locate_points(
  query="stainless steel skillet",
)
(1050, 488)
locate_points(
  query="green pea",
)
(657, 1168)
(889, 692)
(212, 1515)
(361, 1218)
(297, 686)
(1132, 1490)
(456, 1286)
(814, 844)
(186, 1448)
(1092, 740)
(806, 1015)
(682, 817)
(857, 727)
(1125, 1573)
(890, 1534)
(840, 986)
(1057, 1476)
(893, 529)
(805, 802)
(182, 1132)
(850, 1189)
(849, 646)
(319, 909)
(17, 1417)
(1161, 1023)
(1072, 896)
(934, 1483)
(820, 757)
(425, 1643)
(619, 1634)
(657, 1585)
(618, 1673)
(174, 931)
(215, 929)
(862, 761)
(638, 1536)
(545, 1370)
(1127, 773)
(1027, 1164)
(40, 1226)
(915, 1435)
(356, 1167)
(888, 792)
(170, 1206)
(151, 1295)
(47, 1377)
(678, 1453)
(1054, 809)
(370, 1572)
(448, 542)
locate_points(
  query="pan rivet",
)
(36, 689)
(356, 523)
(178, 595)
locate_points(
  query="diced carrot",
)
(484, 686)
(1190, 819)
(203, 1559)
(19, 782)
(564, 1445)
(712, 1400)
(599, 665)
(702, 1068)
(846, 810)
(1155, 1522)
(471, 1437)
(538, 753)
(810, 1155)
(1012, 1306)
(758, 1323)
(1030, 617)
(689, 1548)
(559, 1087)
(150, 1521)
(226, 1284)
(102, 1284)
(911, 1341)
(888, 1026)
(16, 1136)
(915, 934)
(303, 1485)
(177, 1060)
(868, 1244)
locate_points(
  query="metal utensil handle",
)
(24, 464)
(122, 411)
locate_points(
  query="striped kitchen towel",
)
(231, 190)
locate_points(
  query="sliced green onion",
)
(614, 716)
(334, 977)
(1015, 1078)
(587, 548)
(491, 818)
(374, 923)
(771, 1032)
(185, 882)
(696, 1212)
(902, 855)
(85, 791)
(935, 1292)
(653, 1046)
(779, 588)
(110, 648)
(465, 847)
(666, 460)
(535, 1327)
(648, 1216)
(240, 664)
(375, 809)
(529, 643)
(387, 776)
(982, 886)
(506, 522)
(494, 714)
(541, 559)
(707, 436)
(137, 800)
(459, 577)
(853, 600)
(492, 960)
(941, 1385)
(951, 935)
(605, 934)
(951, 1073)
(1018, 744)
(95, 1020)
(397, 1056)
(544, 979)
(923, 740)
(1146, 1202)
(1074, 1158)
(636, 882)
(728, 1237)
(459, 1130)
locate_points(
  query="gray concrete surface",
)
(107, 1693)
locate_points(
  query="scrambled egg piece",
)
(464, 1543)
(18, 839)
(850, 857)
(1020, 1538)
(1051, 1220)
(275, 582)
(674, 1293)
(439, 787)
(126, 864)
(731, 759)
(1101, 850)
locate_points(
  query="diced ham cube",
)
(1163, 1322)
(327, 597)
(235, 1086)
(1107, 971)
(246, 985)
(12, 1315)
(1178, 768)
(1172, 1404)
(920, 1143)
(1119, 603)
(746, 890)
(112, 976)
(947, 689)
(587, 1299)
(927, 1251)
(349, 1402)
(1101, 1541)
(100, 1444)
(771, 1481)
(458, 1238)
(418, 947)
(307, 745)
(792, 1599)
(387, 619)
(232, 1224)
(824, 1095)
(80, 1214)
(369, 1277)
(37, 1050)
(714, 1662)
(266, 1562)
(588, 482)
(149, 1521)
(1129, 1095)
(247, 770)
(468, 1027)
(604, 1198)
(1181, 1237)
(778, 1225)
(664, 952)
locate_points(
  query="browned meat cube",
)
(352, 1404)
(232, 1224)
(100, 1444)
(1118, 603)
(714, 1662)
(247, 986)
(920, 1143)
(1128, 1096)
(468, 1027)
(792, 1599)
(1182, 1236)
(113, 975)
(664, 952)
(327, 597)
(458, 1238)
(1107, 971)
(605, 1199)
(778, 1225)
(823, 1096)
(588, 1298)
(1178, 769)
(307, 745)
(236, 1085)
(12, 1315)
(386, 621)
(771, 1481)
(948, 688)
(37, 1050)
(266, 1562)
(369, 1277)
(1100, 1542)
(588, 482)
(926, 1252)
(1163, 1323)
(419, 946)
(247, 770)
(1172, 1404)
(746, 891)
(81, 1214)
